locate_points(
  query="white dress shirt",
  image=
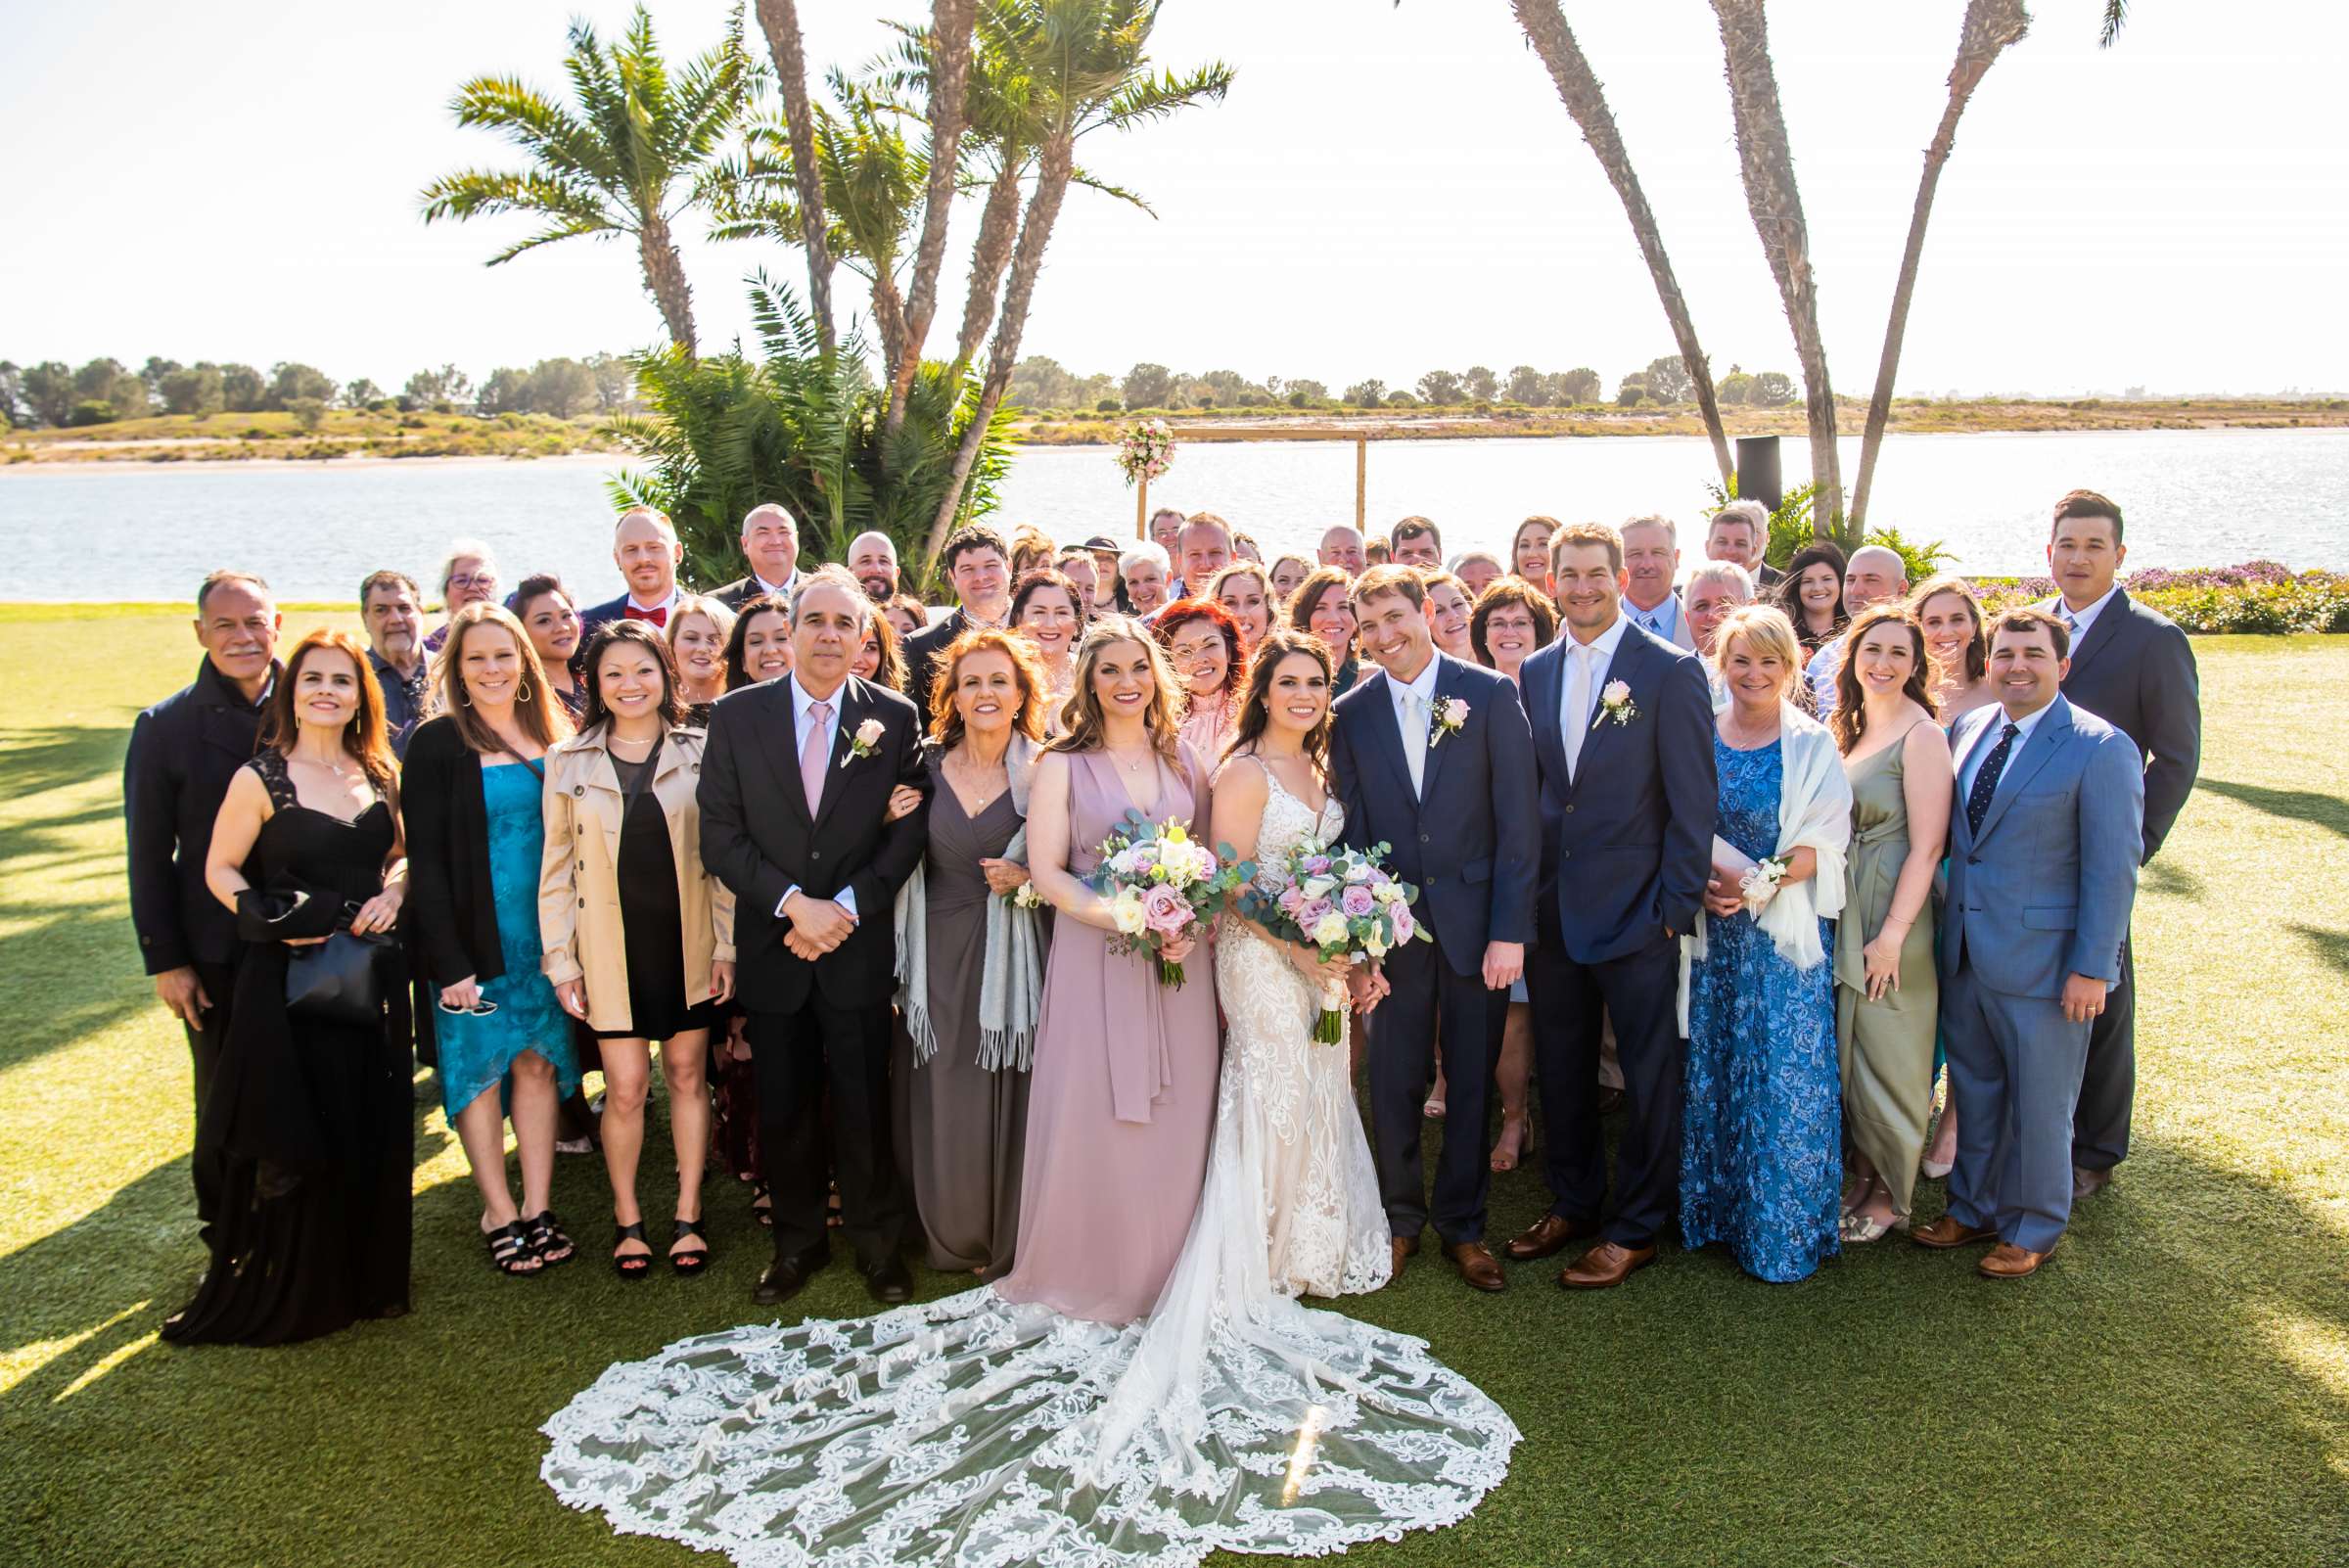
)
(1415, 717)
(2080, 619)
(668, 606)
(802, 719)
(1664, 619)
(1599, 654)
(1987, 742)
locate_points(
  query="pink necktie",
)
(815, 754)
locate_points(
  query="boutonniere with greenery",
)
(1615, 703)
(866, 741)
(1451, 713)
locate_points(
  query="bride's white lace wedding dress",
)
(976, 1432)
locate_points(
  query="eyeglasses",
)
(480, 1009)
(474, 579)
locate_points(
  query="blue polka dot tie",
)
(1986, 782)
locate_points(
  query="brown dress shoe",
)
(1951, 1231)
(1610, 1263)
(2006, 1261)
(1405, 1247)
(2087, 1183)
(1548, 1235)
(1476, 1265)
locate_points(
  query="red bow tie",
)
(658, 614)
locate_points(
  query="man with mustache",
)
(873, 562)
(1651, 559)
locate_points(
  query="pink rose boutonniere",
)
(1615, 703)
(1451, 713)
(866, 741)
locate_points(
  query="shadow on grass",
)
(2172, 881)
(2328, 812)
(49, 757)
(2332, 947)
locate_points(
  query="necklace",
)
(1130, 767)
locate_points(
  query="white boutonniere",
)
(1615, 703)
(1451, 713)
(866, 739)
(1760, 884)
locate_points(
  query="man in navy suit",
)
(1623, 734)
(2043, 851)
(2133, 668)
(645, 548)
(1433, 760)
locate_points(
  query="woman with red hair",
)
(1204, 641)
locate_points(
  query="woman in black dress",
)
(307, 1119)
(640, 938)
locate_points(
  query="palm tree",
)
(1766, 159)
(1086, 64)
(1989, 28)
(779, 19)
(952, 23)
(1586, 99)
(627, 158)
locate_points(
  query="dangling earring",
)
(464, 699)
(525, 696)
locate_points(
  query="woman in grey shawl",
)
(971, 957)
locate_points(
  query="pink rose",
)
(1317, 865)
(1291, 897)
(1404, 925)
(1310, 913)
(1357, 902)
(1166, 912)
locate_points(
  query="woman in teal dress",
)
(472, 791)
(1762, 1134)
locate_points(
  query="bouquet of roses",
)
(1344, 904)
(1145, 449)
(1161, 885)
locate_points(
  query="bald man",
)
(1873, 575)
(1342, 547)
(645, 548)
(873, 562)
(770, 544)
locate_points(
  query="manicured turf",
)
(2173, 1388)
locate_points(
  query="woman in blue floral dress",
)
(1762, 1135)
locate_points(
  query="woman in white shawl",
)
(1761, 1151)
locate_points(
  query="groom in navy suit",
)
(1433, 758)
(1622, 732)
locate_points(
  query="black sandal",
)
(548, 1241)
(763, 1206)
(632, 1264)
(510, 1250)
(694, 1261)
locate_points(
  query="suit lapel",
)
(1379, 700)
(1962, 833)
(778, 733)
(2044, 737)
(1622, 665)
(2102, 631)
(854, 707)
(1544, 672)
(1446, 682)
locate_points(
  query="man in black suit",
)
(1739, 533)
(2133, 668)
(184, 751)
(794, 793)
(979, 565)
(645, 548)
(1432, 758)
(770, 544)
(1623, 733)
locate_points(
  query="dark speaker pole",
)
(1757, 470)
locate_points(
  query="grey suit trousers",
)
(2014, 1074)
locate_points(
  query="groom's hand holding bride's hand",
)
(1368, 986)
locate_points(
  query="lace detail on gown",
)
(982, 1433)
(1289, 1101)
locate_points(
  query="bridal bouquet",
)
(1162, 886)
(1342, 904)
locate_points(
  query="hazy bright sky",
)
(1385, 190)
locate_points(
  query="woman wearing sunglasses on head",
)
(474, 796)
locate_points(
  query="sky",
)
(1388, 189)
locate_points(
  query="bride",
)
(980, 1430)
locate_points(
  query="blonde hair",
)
(711, 609)
(1083, 721)
(1765, 632)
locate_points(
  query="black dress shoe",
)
(890, 1283)
(786, 1276)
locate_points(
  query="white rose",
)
(1330, 929)
(1358, 872)
(869, 733)
(1386, 892)
(1320, 887)
(1375, 946)
(1126, 911)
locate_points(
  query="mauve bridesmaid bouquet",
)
(1162, 887)
(1341, 903)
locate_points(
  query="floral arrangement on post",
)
(1344, 904)
(1145, 450)
(1161, 885)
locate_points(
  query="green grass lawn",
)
(2173, 1388)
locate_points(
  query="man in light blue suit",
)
(2043, 849)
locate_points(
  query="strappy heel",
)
(510, 1250)
(548, 1241)
(695, 1260)
(632, 1264)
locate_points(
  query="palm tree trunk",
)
(665, 280)
(950, 25)
(779, 19)
(1026, 264)
(1990, 27)
(1766, 161)
(998, 228)
(1586, 101)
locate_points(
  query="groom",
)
(1623, 730)
(1433, 758)
(795, 788)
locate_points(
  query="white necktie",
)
(1414, 737)
(1576, 718)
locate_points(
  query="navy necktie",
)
(1986, 782)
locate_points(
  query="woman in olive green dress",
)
(1886, 993)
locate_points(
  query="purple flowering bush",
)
(2255, 597)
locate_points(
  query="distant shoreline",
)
(176, 441)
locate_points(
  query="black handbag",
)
(344, 978)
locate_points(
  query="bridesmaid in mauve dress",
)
(1122, 1094)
